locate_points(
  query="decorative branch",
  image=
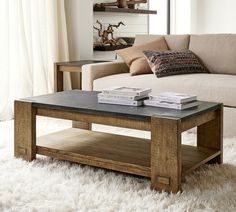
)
(99, 30)
(107, 37)
(116, 26)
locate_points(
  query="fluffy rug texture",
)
(51, 185)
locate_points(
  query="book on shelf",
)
(170, 105)
(121, 97)
(121, 102)
(127, 91)
(173, 97)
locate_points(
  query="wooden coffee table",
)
(162, 158)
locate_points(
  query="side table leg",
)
(58, 86)
(25, 131)
(166, 154)
(58, 79)
(210, 135)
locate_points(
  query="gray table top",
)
(87, 102)
(80, 62)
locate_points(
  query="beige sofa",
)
(217, 52)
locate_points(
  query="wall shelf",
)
(110, 48)
(123, 10)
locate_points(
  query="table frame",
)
(165, 168)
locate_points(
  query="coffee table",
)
(162, 158)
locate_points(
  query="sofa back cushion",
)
(134, 58)
(174, 42)
(216, 51)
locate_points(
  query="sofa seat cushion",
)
(208, 87)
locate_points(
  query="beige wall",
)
(213, 16)
(203, 16)
(180, 16)
(79, 15)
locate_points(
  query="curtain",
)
(33, 36)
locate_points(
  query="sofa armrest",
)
(94, 71)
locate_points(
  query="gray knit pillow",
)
(166, 63)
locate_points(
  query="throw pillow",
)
(166, 63)
(134, 58)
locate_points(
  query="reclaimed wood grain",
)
(25, 131)
(97, 119)
(116, 152)
(166, 162)
(210, 135)
(197, 120)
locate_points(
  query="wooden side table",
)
(72, 67)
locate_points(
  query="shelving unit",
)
(111, 48)
(107, 52)
(123, 10)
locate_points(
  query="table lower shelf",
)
(115, 152)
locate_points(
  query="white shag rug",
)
(52, 185)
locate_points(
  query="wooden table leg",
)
(210, 135)
(78, 124)
(58, 79)
(166, 154)
(81, 125)
(25, 131)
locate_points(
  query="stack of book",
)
(171, 100)
(124, 96)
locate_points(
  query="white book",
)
(171, 105)
(127, 91)
(173, 97)
(121, 97)
(121, 102)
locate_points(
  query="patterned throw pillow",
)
(166, 63)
